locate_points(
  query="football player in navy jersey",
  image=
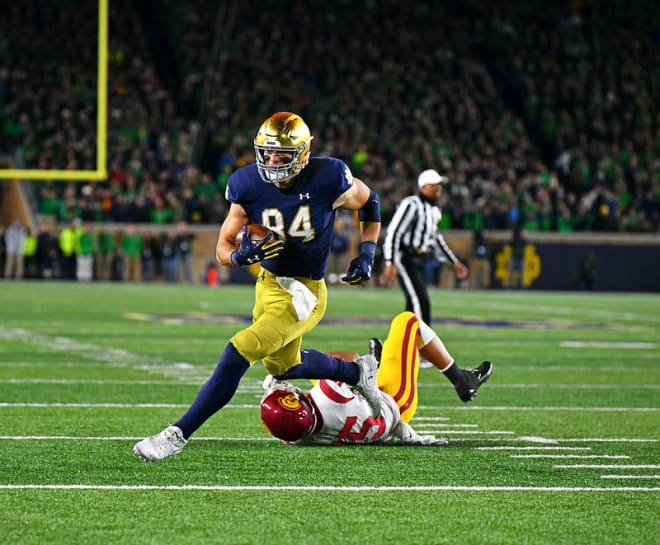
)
(296, 197)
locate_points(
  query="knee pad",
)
(257, 341)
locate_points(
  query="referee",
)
(412, 239)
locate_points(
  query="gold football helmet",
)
(283, 132)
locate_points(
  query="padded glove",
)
(250, 252)
(359, 270)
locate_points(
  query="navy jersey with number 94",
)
(302, 215)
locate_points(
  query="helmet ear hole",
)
(287, 415)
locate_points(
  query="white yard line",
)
(117, 438)
(220, 439)
(532, 448)
(586, 368)
(99, 382)
(606, 440)
(574, 456)
(464, 432)
(443, 425)
(254, 406)
(606, 466)
(257, 387)
(431, 418)
(532, 408)
(630, 476)
(618, 345)
(226, 488)
(117, 405)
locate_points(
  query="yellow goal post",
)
(101, 172)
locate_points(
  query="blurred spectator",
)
(131, 254)
(541, 104)
(169, 263)
(15, 236)
(480, 261)
(105, 255)
(587, 272)
(47, 253)
(30, 254)
(67, 246)
(86, 248)
(183, 242)
(148, 260)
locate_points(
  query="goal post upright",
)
(101, 172)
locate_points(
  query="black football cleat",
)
(474, 378)
(376, 348)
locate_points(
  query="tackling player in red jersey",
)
(296, 197)
(334, 413)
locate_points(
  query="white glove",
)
(271, 384)
(404, 433)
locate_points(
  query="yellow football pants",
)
(276, 333)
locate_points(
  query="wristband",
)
(368, 249)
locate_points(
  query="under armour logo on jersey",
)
(303, 196)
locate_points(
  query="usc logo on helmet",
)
(289, 402)
(287, 415)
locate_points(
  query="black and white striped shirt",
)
(414, 229)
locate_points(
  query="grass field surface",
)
(560, 447)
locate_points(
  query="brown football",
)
(257, 233)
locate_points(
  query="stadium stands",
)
(542, 113)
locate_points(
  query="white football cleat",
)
(368, 385)
(269, 383)
(168, 442)
(424, 363)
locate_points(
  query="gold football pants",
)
(276, 333)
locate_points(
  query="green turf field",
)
(560, 447)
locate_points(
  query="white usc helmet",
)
(284, 132)
(287, 415)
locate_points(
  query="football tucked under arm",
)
(254, 244)
(256, 231)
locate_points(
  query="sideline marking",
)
(227, 488)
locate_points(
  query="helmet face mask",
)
(287, 415)
(283, 132)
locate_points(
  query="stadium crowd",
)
(543, 114)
